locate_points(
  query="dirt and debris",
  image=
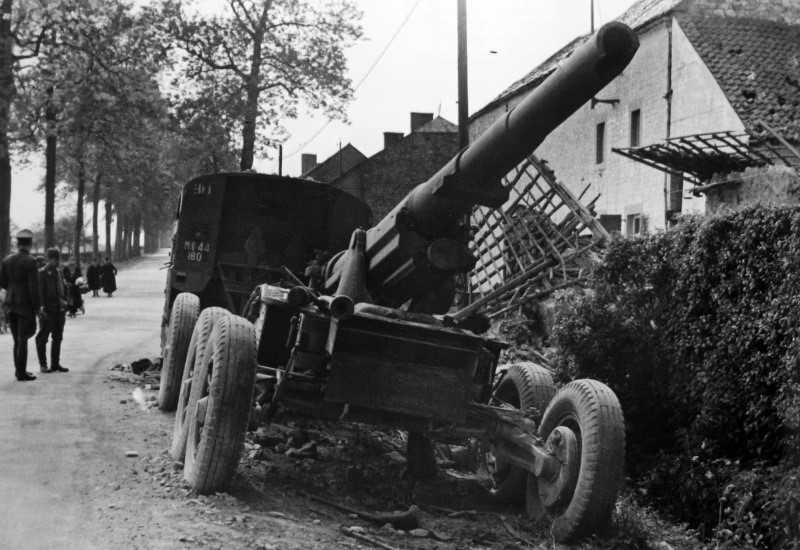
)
(145, 374)
(313, 484)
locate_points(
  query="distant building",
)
(712, 90)
(331, 168)
(386, 177)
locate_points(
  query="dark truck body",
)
(237, 230)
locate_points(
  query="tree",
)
(266, 57)
(21, 34)
(109, 64)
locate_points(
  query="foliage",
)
(263, 59)
(96, 87)
(697, 330)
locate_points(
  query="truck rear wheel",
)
(184, 413)
(216, 434)
(182, 318)
(529, 387)
(585, 429)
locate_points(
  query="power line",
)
(363, 78)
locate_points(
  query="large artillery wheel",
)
(584, 428)
(187, 401)
(216, 434)
(182, 318)
(529, 387)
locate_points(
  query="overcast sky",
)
(417, 73)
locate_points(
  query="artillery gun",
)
(374, 339)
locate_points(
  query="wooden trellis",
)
(530, 246)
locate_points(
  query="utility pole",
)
(463, 101)
(462, 280)
(280, 159)
(591, 15)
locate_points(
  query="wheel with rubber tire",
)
(182, 318)
(194, 358)
(584, 428)
(216, 434)
(529, 387)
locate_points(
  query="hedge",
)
(697, 330)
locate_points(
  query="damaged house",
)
(707, 114)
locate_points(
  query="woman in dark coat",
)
(73, 291)
(108, 277)
(93, 277)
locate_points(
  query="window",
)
(600, 139)
(636, 225)
(611, 222)
(675, 199)
(636, 127)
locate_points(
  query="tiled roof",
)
(636, 16)
(756, 63)
(336, 164)
(438, 124)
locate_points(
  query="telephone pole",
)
(463, 101)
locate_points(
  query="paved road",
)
(53, 437)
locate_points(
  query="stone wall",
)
(768, 186)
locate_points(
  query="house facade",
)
(703, 66)
(383, 179)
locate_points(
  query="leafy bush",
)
(696, 329)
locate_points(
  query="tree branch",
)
(243, 22)
(37, 46)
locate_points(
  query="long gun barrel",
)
(414, 252)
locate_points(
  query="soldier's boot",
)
(55, 357)
(41, 353)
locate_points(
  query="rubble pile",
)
(356, 475)
(145, 372)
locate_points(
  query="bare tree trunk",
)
(136, 250)
(50, 172)
(118, 239)
(126, 239)
(95, 214)
(79, 209)
(251, 103)
(7, 92)
(249, 126)
(108, 228)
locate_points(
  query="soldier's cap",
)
(25, 235)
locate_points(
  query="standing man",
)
(52, 310)
(18, 275)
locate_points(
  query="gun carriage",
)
(376, 338)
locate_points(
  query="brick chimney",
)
(308, 161)
(391, 138)
(420, 119)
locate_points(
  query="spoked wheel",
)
(219, 422)
(584, 429)
(184, 414)
(529, 387)
(182, 318)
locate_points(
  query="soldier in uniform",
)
(52, 310)
(18, 276)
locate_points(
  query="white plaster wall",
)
(699, 104)
(626, 186)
